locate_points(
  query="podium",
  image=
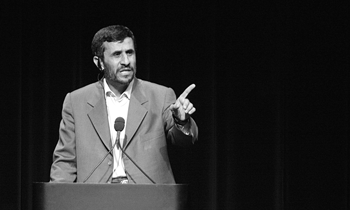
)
(75, 196)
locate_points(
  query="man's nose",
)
(125, 59)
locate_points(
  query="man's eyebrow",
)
(116, 52)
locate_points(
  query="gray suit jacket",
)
(84, 136)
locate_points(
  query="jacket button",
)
(109, 163)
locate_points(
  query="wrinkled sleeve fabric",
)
(64, 167)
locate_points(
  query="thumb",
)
(175, 106)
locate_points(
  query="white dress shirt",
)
(117, 107)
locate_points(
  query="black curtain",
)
(271, 97)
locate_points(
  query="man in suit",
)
(89, 150)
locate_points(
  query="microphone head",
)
(119, 124)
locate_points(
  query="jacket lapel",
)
(136, 113)
(98, 115)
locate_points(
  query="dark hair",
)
(112, 33)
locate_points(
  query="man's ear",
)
(98, 62)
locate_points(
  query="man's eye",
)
(130, 52)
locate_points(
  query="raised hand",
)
(183, 108)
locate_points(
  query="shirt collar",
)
(109, 92)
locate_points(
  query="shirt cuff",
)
(186, 128)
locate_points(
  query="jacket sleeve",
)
(64, 165)
(175, 134)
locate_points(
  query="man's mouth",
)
(125, 69)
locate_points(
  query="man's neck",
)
(116, 87)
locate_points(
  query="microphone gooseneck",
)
(119, 124)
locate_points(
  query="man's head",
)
(114, 52)
(112, 33)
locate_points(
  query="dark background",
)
(272, 93)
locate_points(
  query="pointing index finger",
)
(187, 91)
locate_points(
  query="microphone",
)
(118, 126)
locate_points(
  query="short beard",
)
(109, 75)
